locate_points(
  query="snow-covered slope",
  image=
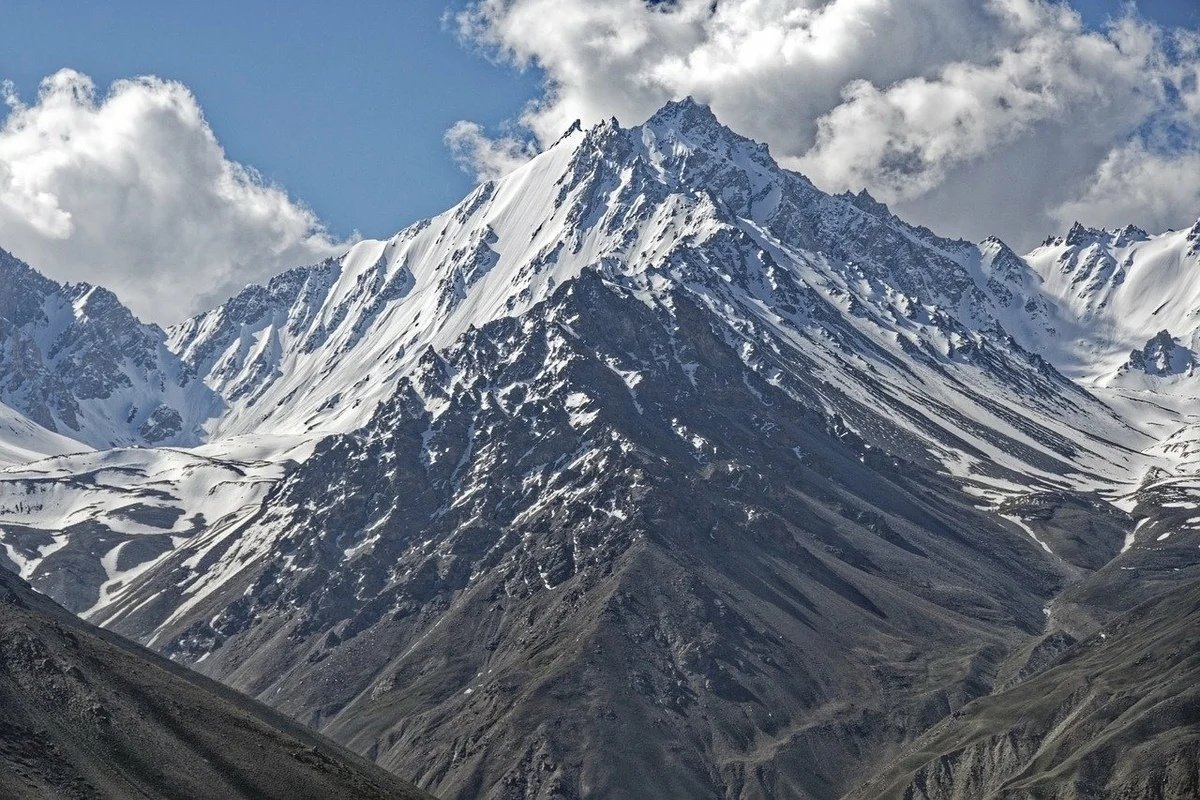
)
(82, 527)
(1117, 311)
(22, 440)
(77, 362)
(1112, 293)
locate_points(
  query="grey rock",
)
(85, 714)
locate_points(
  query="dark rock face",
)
(1117, 715)
(161, 425)
(84, 714)
(1084, 531)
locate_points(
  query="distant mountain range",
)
(647, 470)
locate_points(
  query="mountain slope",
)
(1117, 715)
(1115, 311)
(77, 362)
(81, 527)
(86, 714)
(22, 440)
(660, 425)
(616, 590)
(1115, 291)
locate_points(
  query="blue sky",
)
(345, 107)
(1168, 12)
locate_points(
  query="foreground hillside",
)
(84, 714)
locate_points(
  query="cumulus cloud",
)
(131, 190)
(1134, 183)
(961, 113)
(907, 138)
(1154, 178)
(483, 156)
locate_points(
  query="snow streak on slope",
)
(81, 527)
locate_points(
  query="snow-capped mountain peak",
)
(680, 203)
(1118, 288)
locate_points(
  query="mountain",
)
(1112, 716)
(648, 468)
(77, 362)
(675, 587)
(1117, 292)
(882, 311)
(87, 714)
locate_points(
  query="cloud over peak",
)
(961, 113)
(131, 190)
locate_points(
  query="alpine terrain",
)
(651, 470)
(87, 714)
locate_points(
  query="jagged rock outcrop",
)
(77, 362)
(1161, 356)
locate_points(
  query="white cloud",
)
(905, 139)
(484, 156)
(1134, 183)
(131, 190)
(961, 113)
(1152, 179)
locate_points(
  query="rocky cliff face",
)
(1161, 356)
